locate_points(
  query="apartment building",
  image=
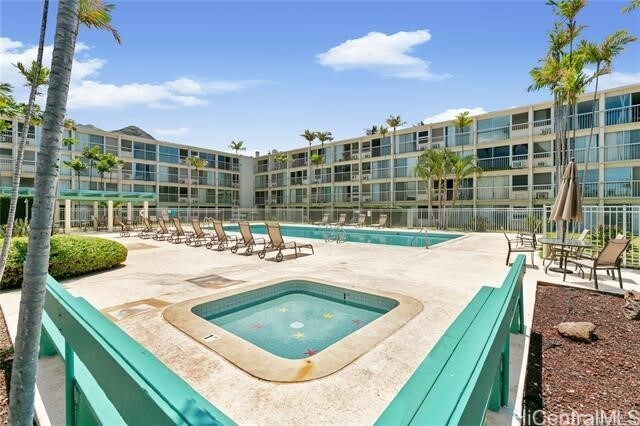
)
(150, 166)
(514, 148)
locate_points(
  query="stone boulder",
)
(577, 331)
(631, 309)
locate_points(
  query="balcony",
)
(491, 135)
(622, 152)
(494, 193)
(623, 189)
(261, 168)
(297, 181)
(299, 162)
(543, 159)
(583, 121)
(279, 165)
(542, 127)
(348, 156)
(345, 176)
(543, 192)
(519, 130)
(6, 136)
(624, 115)
(495, 163)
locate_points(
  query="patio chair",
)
(360, 222)
(147, 231)
(125, 230)
(609, 260)
(179, 235)
(277, 243)
(222, 239)
(381, 222)
(341, 220)
(162, 233)
(517, 245)
(323, 222)
(198, 236)
(97, 223)
(247, 239)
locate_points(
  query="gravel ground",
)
(6, 358)
(565, 376)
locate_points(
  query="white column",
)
(145, 208)
(67, 216)
(95, 209)
(130, 212)
(110, 215)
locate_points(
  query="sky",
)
(205, 73)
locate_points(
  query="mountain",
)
(134, 131)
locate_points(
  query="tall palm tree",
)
(197, 163)
(602, 56)
(91, 154)
(425, 170)
(36, 76)
(309, 136)
(462, 167)
(394, 121)
(93, 14)
(438, 164)
(237, 146)
(77, 165)
(462, 121)
(324, 137)
(37, 260)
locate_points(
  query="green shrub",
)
(70, 256)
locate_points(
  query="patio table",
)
(564, 246)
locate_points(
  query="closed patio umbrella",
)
(567, 205)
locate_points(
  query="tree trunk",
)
(37, 261)
(593, 121)
(17, 172)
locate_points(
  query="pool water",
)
(389, 237)
(297, 324)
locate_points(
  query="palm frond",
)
(96, 14)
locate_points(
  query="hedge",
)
(70, 256)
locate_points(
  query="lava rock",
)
(631, 308)
(577, 331)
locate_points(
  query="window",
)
(406, 143)
(111, 145)
(520, 182)
(622, 146)
(126, 148)
(491, 129)
(168, 174)
(144, 151)
(144, 188)
(145, 172)
(578, 149)
(168, 194)
(169, 154)
(405, 167)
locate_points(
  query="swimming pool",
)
(389, 237)
(293, 330)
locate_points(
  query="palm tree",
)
(425, 170)
(309, 136)
(93, 14)
(323, 137)
(437, 164)
(37, 260)
(462, 167)
(371, 130)
(197, 163)
(462, 121)
(383, 131)
(35, 76)
(77, 165)
(71, 126)
(394, 121)
(633, 5)
(602, 56)
(281, 158)
(237, 146)
(317, 160)
(93, 155)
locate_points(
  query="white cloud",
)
(382, 53)
(615, 79)
(86, 91)
(451, 113)
(178, 131)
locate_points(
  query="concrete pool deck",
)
(157, 274)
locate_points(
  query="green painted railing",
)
(111, 379)
(90, 195)
(467, 371)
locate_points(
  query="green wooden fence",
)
(467, 372)
(111, 379)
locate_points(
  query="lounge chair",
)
(247, 239)
(198, 236)
(147, 231)
(179, 235)
(125, 230)
(518, 245)
(360, 222)
(222, 239)
(162, 233)
(341, 220)
(324, 221)
(609, 259)
(277, 243)
(98, 223)
(381, 222)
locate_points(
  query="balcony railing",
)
(583, 121)
(543, 159)
(298, 181)
(543, 192)
(493, 193)
(261, 168)
(279, 165)
(6, 136)
(630, 114)
(622, 152)
(495, 134)
(495, 163)
(542, 127)
(624, 189)
(299, 162)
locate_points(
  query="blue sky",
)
(208, 72)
